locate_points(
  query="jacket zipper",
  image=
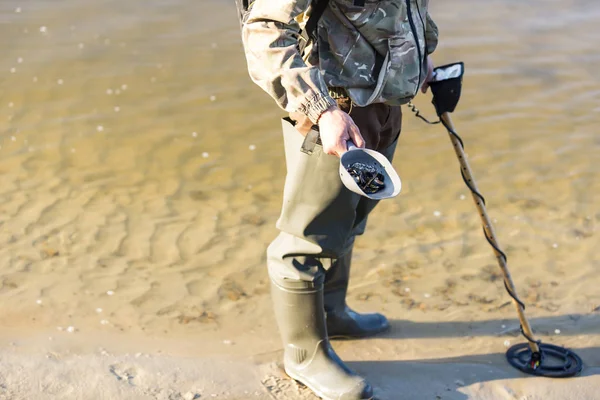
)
(414, 32)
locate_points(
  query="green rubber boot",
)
(308, 355)
(342, 322)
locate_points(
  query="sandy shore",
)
(407, 363)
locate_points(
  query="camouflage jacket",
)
(370, 51)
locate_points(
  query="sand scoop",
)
(369, 173)
(533, 357)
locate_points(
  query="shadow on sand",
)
(481, 376)
(569, 325)
(443, 378)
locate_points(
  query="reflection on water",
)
(141, 171)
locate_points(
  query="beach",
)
(141, 176)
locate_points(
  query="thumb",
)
(356, 137)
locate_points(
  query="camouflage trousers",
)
(320, 218)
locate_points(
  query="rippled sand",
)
(141, 175)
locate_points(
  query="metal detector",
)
(533, 357)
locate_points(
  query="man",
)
(367, 58)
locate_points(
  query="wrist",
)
(326, 111)
(316, 105)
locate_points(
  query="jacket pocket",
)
(382, 79)
(356, 14)
(403, 70)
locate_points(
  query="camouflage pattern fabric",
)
(376, 52)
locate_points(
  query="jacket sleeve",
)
(270, 37)
(431, 34)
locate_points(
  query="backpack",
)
(310, 29)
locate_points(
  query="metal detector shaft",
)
(488, 228)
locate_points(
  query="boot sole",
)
(315, 391)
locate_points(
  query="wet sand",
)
(141, 175)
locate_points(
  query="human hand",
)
(336, 128)
(429, 77)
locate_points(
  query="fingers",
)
(355, 136)
(429, 76)
(341, 148)
(343, 142)
(338, 147)
(337, 128)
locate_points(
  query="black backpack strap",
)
(318, 7)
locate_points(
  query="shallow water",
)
(141, 171)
